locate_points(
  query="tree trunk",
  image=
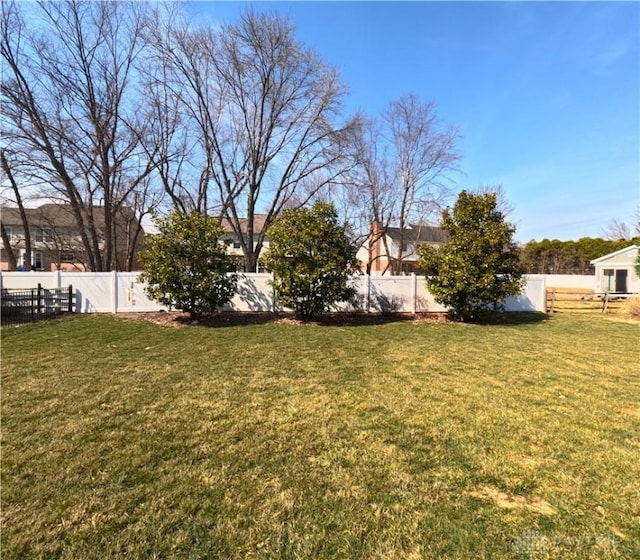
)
(6, 243)
(23, 214)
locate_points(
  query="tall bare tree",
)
(404, 160)
(502, 202)
(369, 199)
(12, 261)
(267, 114)
(617, 229)
(70, 100)
(180, 88)
(7, 173)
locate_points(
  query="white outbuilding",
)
(616, 273)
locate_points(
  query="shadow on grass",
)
(512, 318)
(231, 319)
(60, 318)
(235, 319)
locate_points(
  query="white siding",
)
(621, 260)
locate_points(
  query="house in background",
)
(233, 241)
(615, 272)
(374, 250)
(55, 238)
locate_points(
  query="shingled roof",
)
(258, 224)
(57, 216)
(418, 234)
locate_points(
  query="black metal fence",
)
(18, 307)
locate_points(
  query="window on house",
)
(43, 235)
(67, 258)
(37, 261)
(237, 245)
(9, 231)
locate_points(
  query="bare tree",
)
(266, 111)
(17, 197)
(70, 101)
(617, 229)
(369, 198)
(6, 246)
(423, 154)
(503, 204)
(56, 237)
(180, 87)
(403, 163)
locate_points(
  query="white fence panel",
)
(425, 303)
(28, 280)
(95, 292)
(359, 302)
(131, 297)
(253, 293)
(532, 298)
(112, 292)
(389, 294)
(581, 281)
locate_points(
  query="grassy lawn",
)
(404, 440)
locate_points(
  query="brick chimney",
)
(376, 246)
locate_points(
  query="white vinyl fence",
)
(113, 292)
(573, 281)
(96, 292)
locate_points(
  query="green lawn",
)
(402, 440)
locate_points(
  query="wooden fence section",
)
(576, 300)
(18, 307)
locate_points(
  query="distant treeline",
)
(569, 257)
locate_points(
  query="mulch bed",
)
(230, 318)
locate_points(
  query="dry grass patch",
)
(631, 308)
(506, 501)
(351, 439)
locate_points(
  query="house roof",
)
(417, 234)
(47, 215)
(629, 249)
(57, 216)
(258, 224)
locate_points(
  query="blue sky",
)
(546, 95)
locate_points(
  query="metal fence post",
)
(274, 296)
(114, 291)
(367, 296)
(414, 292)
(70, 302)
(41, 302)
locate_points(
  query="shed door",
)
(621, 281)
